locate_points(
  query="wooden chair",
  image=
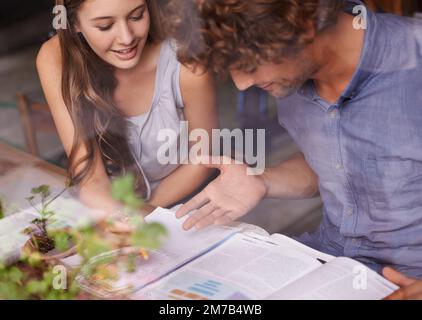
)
(391, 6)
(35, 117)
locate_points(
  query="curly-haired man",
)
(349, 87)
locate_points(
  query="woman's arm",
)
(95, 191)
(199, 96)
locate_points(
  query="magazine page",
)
(244, 267)
(12, 237)
(180, 247)
(289, 242)
(339, 279)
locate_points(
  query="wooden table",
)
(22, 158)
(10, 154)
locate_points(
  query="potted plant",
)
(32, 277)
(141, 235)
(52, 244)
(130, 247)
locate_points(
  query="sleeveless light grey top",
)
(166, 113)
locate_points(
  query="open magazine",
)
(234, 263)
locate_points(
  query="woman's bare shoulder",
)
(49, 54)
(49, 69)
(194, 78)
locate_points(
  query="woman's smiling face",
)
(116, 31)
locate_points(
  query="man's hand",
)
(410, 289)
(230, 196)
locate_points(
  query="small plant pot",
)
(53, 255)
(116, 237)
(101, 276)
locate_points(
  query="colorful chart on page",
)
(193, 286)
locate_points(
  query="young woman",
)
(112, 83)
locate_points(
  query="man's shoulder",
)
(405, 27)
(396, 43)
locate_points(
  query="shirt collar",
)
(363, 71)
(366, 63)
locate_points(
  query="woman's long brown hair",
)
(88, 85)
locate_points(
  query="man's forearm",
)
(292, 179)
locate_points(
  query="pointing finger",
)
(195, 203)
(199, 215)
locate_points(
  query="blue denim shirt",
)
(367, 151)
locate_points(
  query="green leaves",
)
(12, 291)
(1, 210)
(145, 236)
(15, 275)
(92, 244)
(61, 241)
(122, 189)
(148, 236)
(46, 216)
(43, 191)
(34, 259)
(18, 285)
(131, 263)
(12, 284)
(37, 287)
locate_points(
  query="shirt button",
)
(349, 211)
(339, 166)
(333, 114)
(354, 241)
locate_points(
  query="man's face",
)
(279, 80)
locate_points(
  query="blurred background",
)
(25, 123)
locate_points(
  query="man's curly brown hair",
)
(222, 34)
